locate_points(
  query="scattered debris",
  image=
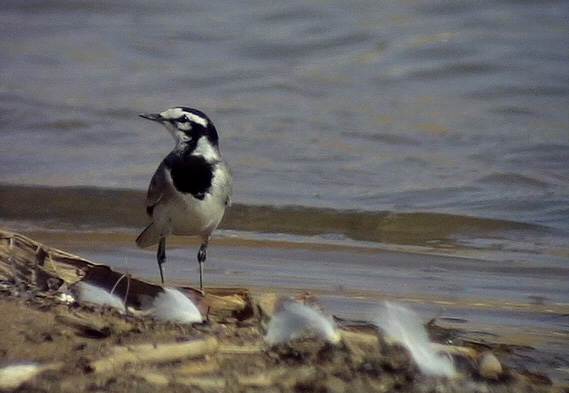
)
(295, 319)
(404, 326)
(86, 292)
(173, 306)
(87, 325)
(489, 366)
(13, 376)
(77, 347)
(153, 353)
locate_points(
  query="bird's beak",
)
(151, 116)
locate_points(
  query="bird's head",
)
(186, 125)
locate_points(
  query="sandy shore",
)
(73, 343)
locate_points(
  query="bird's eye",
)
(185, 119)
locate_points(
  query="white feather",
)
(294, 319)
(14, 375)
(404, 326)
(90, 293)
(173, 306)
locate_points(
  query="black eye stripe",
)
(181, 119)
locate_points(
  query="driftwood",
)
(153, 353)
(33, 266)
(31, 263)
(230, 349)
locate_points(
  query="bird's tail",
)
(148, 237)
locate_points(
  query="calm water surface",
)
(440, 106)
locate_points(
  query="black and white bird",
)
(191, 188)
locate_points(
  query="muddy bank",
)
(80, 347)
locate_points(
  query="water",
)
(430, 127)
(424, 106)
(407, 108)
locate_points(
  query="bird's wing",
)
(228, 183)
(156, 189)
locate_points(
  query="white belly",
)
(182, 214)
(187, 216)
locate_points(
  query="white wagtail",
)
(192, 186)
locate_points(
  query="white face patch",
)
(176, 113)
(181, 136)
(205, 149)
(186, 126)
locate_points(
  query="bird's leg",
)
(201, 260)
(161, 257)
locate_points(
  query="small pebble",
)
(489, 366)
